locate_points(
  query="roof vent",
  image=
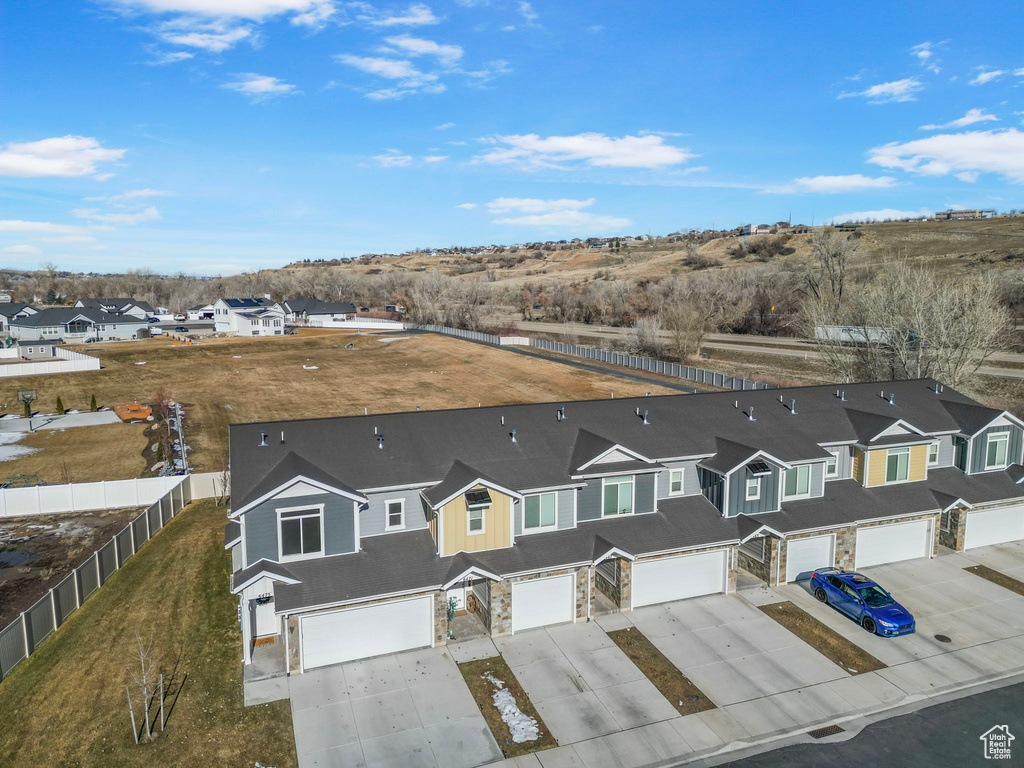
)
(560, 414)
(380, 441)
(503, 421)
(750, 413)
(842, 395)
(282, 437)
(645, 418)
(417, 407)
(892, 396)
(512, 434)
(263, 439)
(792, 405)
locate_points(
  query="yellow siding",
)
(497, 526)
(858, 465)
(918, 469)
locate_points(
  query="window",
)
(933, 454)
(897, 465)
(997, 450)
(753, 488)
(301, 532)
(539, 511)
(475, 520)
(394, 511)
(832, 464)
(675, 482)
(798, 482)
(618, 495)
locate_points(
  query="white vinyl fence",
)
(69, 362)
(637, 362)
(110, 494)
(364, 323)
(24, 635)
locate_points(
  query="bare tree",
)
(826, 282)
(143, 672)
(687, 328)
(645, 337)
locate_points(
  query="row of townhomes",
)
(350, 535)
(89, 320)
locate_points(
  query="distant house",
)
(9, 311)
(131, 307)
(977, 213)
(313, 310)
(76, 324)
(6, 297)
(201, 312)
(248, 317)
(756, 229)
(36, 350)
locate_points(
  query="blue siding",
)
(767, 501)
(339, 534)
(980, 444)
(644, 493)
(372, 518)
(691, 485)
(590, 501)
(563, 511)
(712, 485)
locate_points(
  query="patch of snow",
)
(520, 725)
(394, 338)
(237, 357)
(9, 451)
(311, 367)
(142, 363)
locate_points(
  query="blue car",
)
(862, 600)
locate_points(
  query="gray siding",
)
(644, 493)
(260, 528)
(691, 485)
(372, 518)
(590, 501)
(768, 501)
(979, 445)
(711, 485)
(563, 511)
(844, 465)
(818, 479)
(946, 451)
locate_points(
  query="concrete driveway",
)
(983, 621)
(407, 710)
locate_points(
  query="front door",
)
(267, 622)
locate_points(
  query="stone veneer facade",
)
(954, 537)
(618, 592)
(762, 569)
(501, 597)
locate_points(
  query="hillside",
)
(947, 245)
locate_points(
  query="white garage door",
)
(539, 602)
(893, 542)
(804, 555)
(994, 526)
(676, 578)
(355, 633)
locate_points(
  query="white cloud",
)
(104, 176)
(444, 126)
(23, 250)
(830, 185)
(881, 215)
(409, 79)
(247, 9)
(536, 205)
(562, 213)
(435, 158)
(122, 219)
(528, 13)
(415, 16)
(170, 57)
(987, 76)
(134, 194)
(393, 159)
(590, 149)
(971, 152)
(466, 206)
(17, 225)
(59, 156)
(260, 87)
(489, 71)
(973, 116)
(926, 56)
(896, 90)
(415, 46)
(215, 38)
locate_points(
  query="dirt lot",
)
(221, 381)
(81, 454)
(37, 552)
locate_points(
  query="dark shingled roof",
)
(866, 426)
(232, 533)
(728, 456)
(971, 417)
(620, 467)
(976, 489)
(421, 446)
(459, 476)
(248, 303)
(291, 466)
(11, 309)
(269, 567)
(62, 316)
(587, 447)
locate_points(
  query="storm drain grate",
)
(943, 639)
(828, 730)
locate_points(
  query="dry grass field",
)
(236, 380)
(83, 454)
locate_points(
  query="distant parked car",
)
(181, 329)
(180, 318)
(862, 600)
(152, 319)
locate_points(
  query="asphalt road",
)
(758, 345)
(941, 735)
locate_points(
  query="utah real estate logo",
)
(997, 742)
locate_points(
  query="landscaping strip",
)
(686, 697)
(480, 676)
(827, 642)
(1007, 582)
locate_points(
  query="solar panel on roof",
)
(478, 498)
(759, 468)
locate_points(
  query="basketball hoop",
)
(26, 395)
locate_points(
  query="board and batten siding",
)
(767, 501)
(563, 510)
(844, 462)
(373, 516)
(691, 485)
(918, 468)
(497, 525)
(858, 465)
(591, 496)
(261, 531)
(712, 485)
(979, 447)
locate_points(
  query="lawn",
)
(1004, 581)
(682, 694)
(82, 454)
(66, 704)
(823, 639)
(229, 380)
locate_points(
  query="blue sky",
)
(215, 136)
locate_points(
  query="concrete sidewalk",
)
(56, 421)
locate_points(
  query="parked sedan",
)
(862, 600)
(182, 329)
